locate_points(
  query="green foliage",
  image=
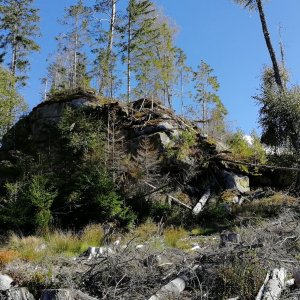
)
(90, 187)
(184, 143)
(15, 212)
(156, 71)
(69, 68)
(18, 26)
(11, 103)
(41, 195)
(206, 87)
(82, 133)
(243, 150)
(279, 113)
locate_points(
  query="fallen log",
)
(171, 198)
(95, 252)
(199, 206)
(174, 287)
(273, 285)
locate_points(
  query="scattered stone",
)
(5, 282)
(228, 238)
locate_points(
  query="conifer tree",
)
(137, 32)
(72, 68)
(11, 103)
(258, 5)
(105, 55)
(183, 76)
(18, 28)
(147, 161)
(206, 86)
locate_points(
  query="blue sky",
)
(226, 36)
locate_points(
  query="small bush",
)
(184, 144)
(173, 235)
(29, 248)
(145, 231)
(65, 243)
(242, 277)
(243, 150)
(266, 207)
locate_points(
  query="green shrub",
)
(242, 150)
(41, 196)
(184, 143)
(266, 207)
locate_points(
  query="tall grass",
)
(173, 235)
(33, 248)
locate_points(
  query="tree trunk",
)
(269, 44)
(110, 44)
(198, 208)
(75, 54)
(129, 60)
(273, 285)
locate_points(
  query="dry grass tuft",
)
(6, 256)
(173, 235)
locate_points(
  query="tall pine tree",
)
(206, 86)
(104, 64)
(136, 32)
(18, 30)
(69, 70)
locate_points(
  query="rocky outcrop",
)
(16, 294)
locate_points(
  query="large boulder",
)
(236, 181)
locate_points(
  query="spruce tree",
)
(18, 28)
(136, 32)
(258, 5)
(207, 86)
(11, 103)
(69, 70)
(104, 64)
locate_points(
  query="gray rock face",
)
(16, 294)
(48, 114)
(236, 181)
(5, 282)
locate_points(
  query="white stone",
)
(5, 282)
